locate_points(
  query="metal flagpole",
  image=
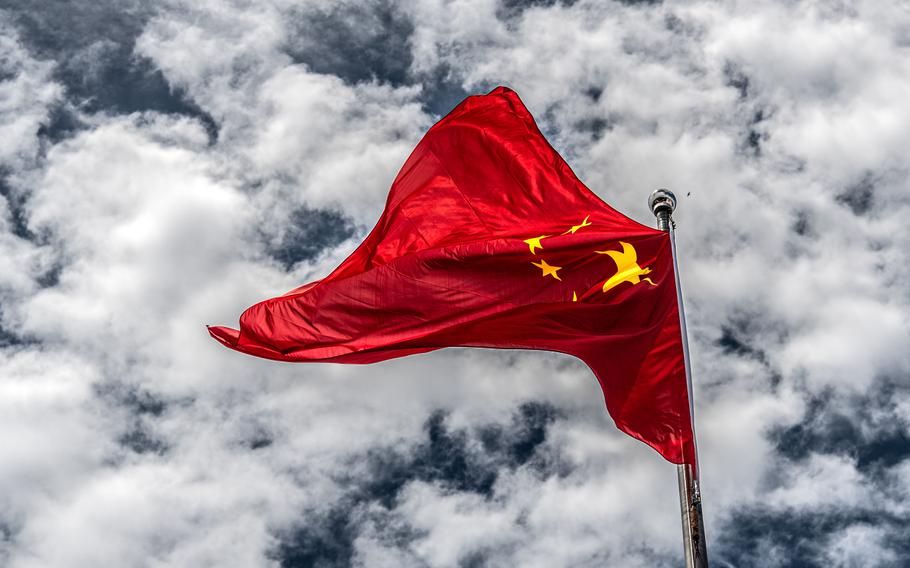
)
(662, 203)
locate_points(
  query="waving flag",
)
(489, 240)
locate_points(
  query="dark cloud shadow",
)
(368, 41)
(509, 10)
(851, 426)
(763, 537)
(467, 461)
(860, 196)
(93, 45)
(15, 205)
(356, 41)
(141, 408)
(307, 233)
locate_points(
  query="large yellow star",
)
(574, 228)
(627, 268)
(547, 269)
(534, 243)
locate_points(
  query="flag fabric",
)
(488, 239)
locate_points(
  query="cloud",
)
(164, 167)
(92, 45)
(27, 95)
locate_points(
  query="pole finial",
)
(662, 203)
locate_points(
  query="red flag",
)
(489, 240)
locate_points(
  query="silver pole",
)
(662, 203)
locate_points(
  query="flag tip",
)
(225, 335)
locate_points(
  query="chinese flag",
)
(489, 240)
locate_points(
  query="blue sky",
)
(164, 165)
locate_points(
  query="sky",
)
(164, 165)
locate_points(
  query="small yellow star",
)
(534, 243)
(574, 228)
(547, 269)
(574, 297)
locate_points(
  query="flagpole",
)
(662, 202)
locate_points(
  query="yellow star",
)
(627, 268)
(535, 243)
(574, 297)
(574, 228)
(547, 269)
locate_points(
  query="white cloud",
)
(141, 228)
(158, 231)
(860, 545)
(49, 427)
(27, 94)
(821, 482)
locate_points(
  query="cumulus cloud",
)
(163, 167)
